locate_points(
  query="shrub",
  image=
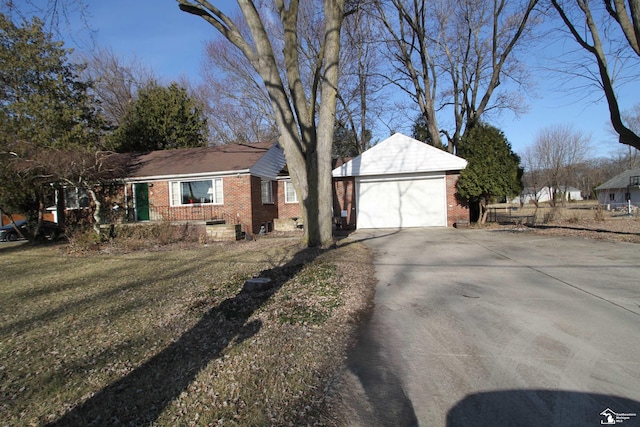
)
(83, 240)
(133, 237)
(598, 213)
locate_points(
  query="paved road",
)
(498, 328)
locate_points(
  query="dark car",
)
(51, 230)
(8, 232)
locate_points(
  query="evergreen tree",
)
(161, 118)
(346, 143)
(493, 170)
(45, 112)
(43, 101)
(420, 132)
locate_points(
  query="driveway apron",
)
(498, 328)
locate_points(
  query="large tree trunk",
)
(97, 211)
(307, 145)
(484, 211)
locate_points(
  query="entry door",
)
(141, 192)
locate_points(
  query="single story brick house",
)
(236, 183)
(399, 183)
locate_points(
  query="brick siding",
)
(456, 209)
(287, 210)
(242, 204)
(344, 200)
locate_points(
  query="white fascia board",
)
(188, 176)
(401, 177)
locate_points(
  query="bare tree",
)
(557, 152)
(593, 26)
(115, 83)
(47, 168)
(455, 55)
(305, 119)
(237, 104)
(533, 179)
(481, 51)
(412, 52)
(56, 14)
(361, 87)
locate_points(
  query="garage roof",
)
(400, 154)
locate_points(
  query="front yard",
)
(167, 337)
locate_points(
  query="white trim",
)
(286, 199)
(172, 196)
(188, 177)
(399, 177)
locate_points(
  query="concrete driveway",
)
(498, 328)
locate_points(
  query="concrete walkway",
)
(498, 328)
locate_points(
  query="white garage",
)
(401, 183)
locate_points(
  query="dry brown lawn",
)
(579, 219)
(167, 337)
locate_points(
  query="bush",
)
(83, 240)
(598, 213)
(132, 237)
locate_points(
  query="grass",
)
(167, 337)
(574, 212)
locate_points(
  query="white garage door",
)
(399, 203)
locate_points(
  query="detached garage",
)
(400, 183)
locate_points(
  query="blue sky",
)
(171, 42)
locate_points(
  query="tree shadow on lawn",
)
(142, 395)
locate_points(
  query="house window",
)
(290, 195)
(76, 198)
(612, 197)
(192, 192)
(267, 192)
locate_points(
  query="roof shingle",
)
(619, 181)
(185, 161)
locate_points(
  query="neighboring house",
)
(545, 194)
(400, 182)
(237, 183)
(620, 189)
